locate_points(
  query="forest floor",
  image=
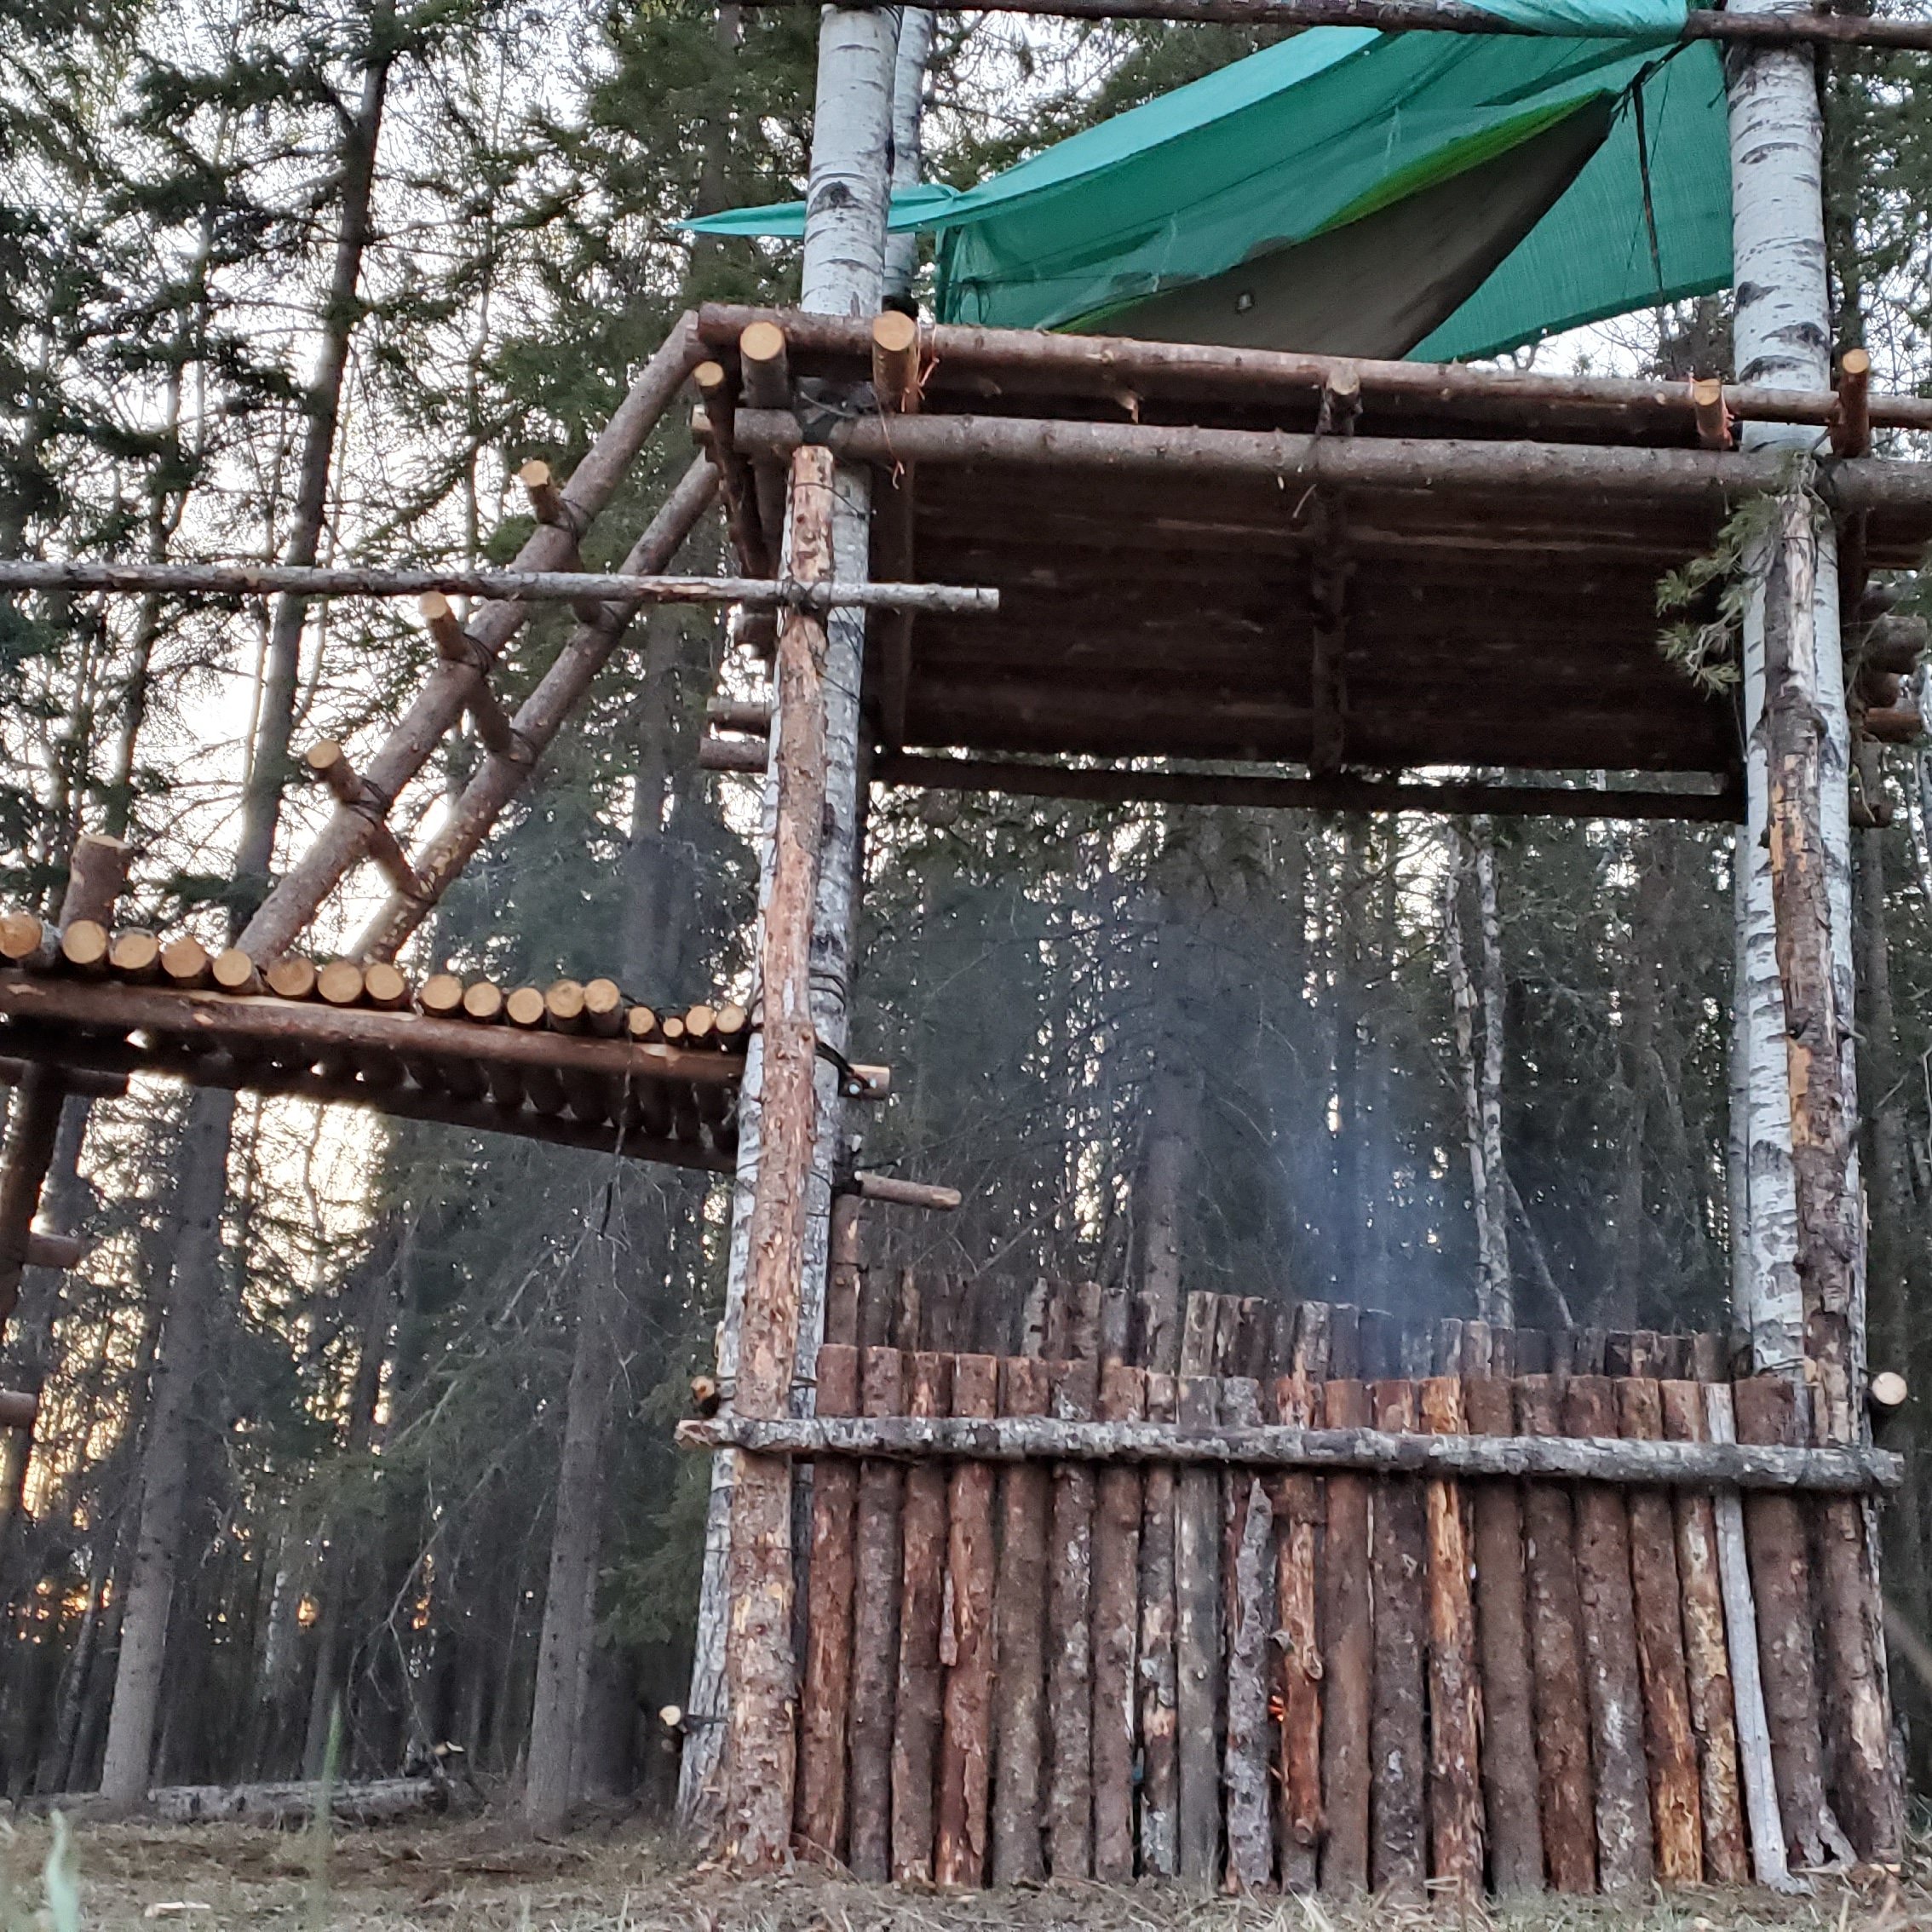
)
(479, 1874)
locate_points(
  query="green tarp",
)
(1441, 194)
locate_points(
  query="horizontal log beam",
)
(1022, 1439)
(1100, 785)
(890, 1190)
(225, 1071)
(62, 1251)
(1360, 461)
(576, 588)
(95, 1086)
(266, 1023)
(961, 355)
(732, 754)
(1449, 17)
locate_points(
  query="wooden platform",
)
(572, 1065)
(1228, 556)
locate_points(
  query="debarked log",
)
(1365, 462)
(1010, 1439)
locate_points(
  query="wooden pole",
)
(1509, 1728)
(1773, 1467)
(1348, 1648)
(1019, 1691)
(1069, 1810)
(1451, 16)
(1298, 1510)
(1661, 1599)
(915, 1708)
(1625, 1853)
(1455, 1818)
(1556, 1614)
(961, 358)
(1296, 459)
(1398, 1843)
(1116, 1639)
(875, 1628)
(1248, 1561)
(959, 1858)
(1707, 1669)
(1338, 792)
(1197, 1633)
(760, 1744)
(827, 1695)
(1159, 1718)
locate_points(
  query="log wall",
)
(1254, 1681)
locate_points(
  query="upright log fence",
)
(1261, 1672)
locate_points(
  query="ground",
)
(617, 1877)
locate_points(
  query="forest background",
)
(311, 281)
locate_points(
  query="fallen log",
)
(377, 1801)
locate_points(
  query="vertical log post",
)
(1455, 1688)
(1670, 1746)
(1298, 1509)
(1019, 1691)
(1510, 1740)
(875, 1627)
(828, 1650)
(843, 273)
(760, 1739)
(1756, 1763)
(1348, 1646)
(1780, 1575)
(1707, 1665)
(966, 1744)
(1116, 1633)
(1398, 1848)
(916, 1715)
(1070, 1809)
(1556, 1614)
(1248, 1554)
(1625, 1851)
(1160, 1735)
(1197, 1620)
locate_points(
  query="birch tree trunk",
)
(1499, 1305)
(1481, 1078)
(844, 273)
(1781, 337)
(916, 30)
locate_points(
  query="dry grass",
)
(480, 1874)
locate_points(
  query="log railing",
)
(1020, 1438)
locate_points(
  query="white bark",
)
(1500, 1308)
(1782, 337)
(851, 176)
(844, 271)
(916, 32)
(1482, 1077)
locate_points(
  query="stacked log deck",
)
(1305, 1674)
(576, 1064)
(1484, 598)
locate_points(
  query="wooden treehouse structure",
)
(1235, 1594)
